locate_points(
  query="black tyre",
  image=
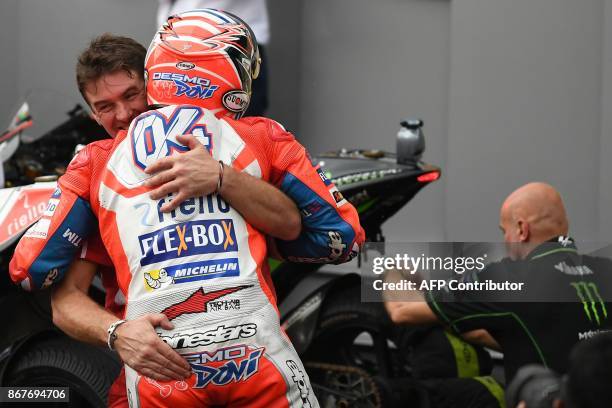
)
(353, 333)
(86, 370)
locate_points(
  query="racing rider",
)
(110, 77)
(201, 265)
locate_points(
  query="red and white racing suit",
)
(201, 264)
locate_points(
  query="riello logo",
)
(28, 207)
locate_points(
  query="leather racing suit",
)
(202, 265)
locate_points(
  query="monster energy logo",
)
(589, 296)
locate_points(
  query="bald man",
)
(575, 289)
(531, 215)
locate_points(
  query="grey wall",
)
(605, 182)
(284, 57)
(510, 91)
(8, 48)
(367, 65)
(525, 105)
(46, 37)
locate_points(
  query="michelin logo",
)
(190, 272)
(187, 239)
(162, 281)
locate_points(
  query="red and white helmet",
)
(203, 57)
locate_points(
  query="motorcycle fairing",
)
(20, 207)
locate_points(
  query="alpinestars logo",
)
(198, 301)
(299, 380)
(219, 334)
(336, 245)
(592, 302)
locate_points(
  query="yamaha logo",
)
(185, 66)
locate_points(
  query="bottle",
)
(410, 141)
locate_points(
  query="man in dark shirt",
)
(564, 298)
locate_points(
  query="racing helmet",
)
(203, 57)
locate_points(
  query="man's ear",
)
(524, 232)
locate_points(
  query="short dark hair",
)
(106, 54)
(589, 382)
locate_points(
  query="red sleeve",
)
(44, 253)
(331, 230)
(93, 250)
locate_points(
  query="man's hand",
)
(140, 347)
(481, 337)
(191, 174)
(137, 343)
(406, 307)
(195, 173)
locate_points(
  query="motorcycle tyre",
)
(342, 316)
(86, 370)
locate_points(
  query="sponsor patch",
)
(336, 245)
(51, 277)
(189, 208)
(191, 272)
(220, 334)
(299, 379)
(72, 237)
(198, 301)
(194, 91)
(191, 87)
(225, 366)
(310, 209)
(236, 101)
(51, 206)
(40, 229)
(323, 177)
(185, 66)
(591, 333)
(224, 305)
(337, 196)
(29, 207)
(164, 389)
(187, 239)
